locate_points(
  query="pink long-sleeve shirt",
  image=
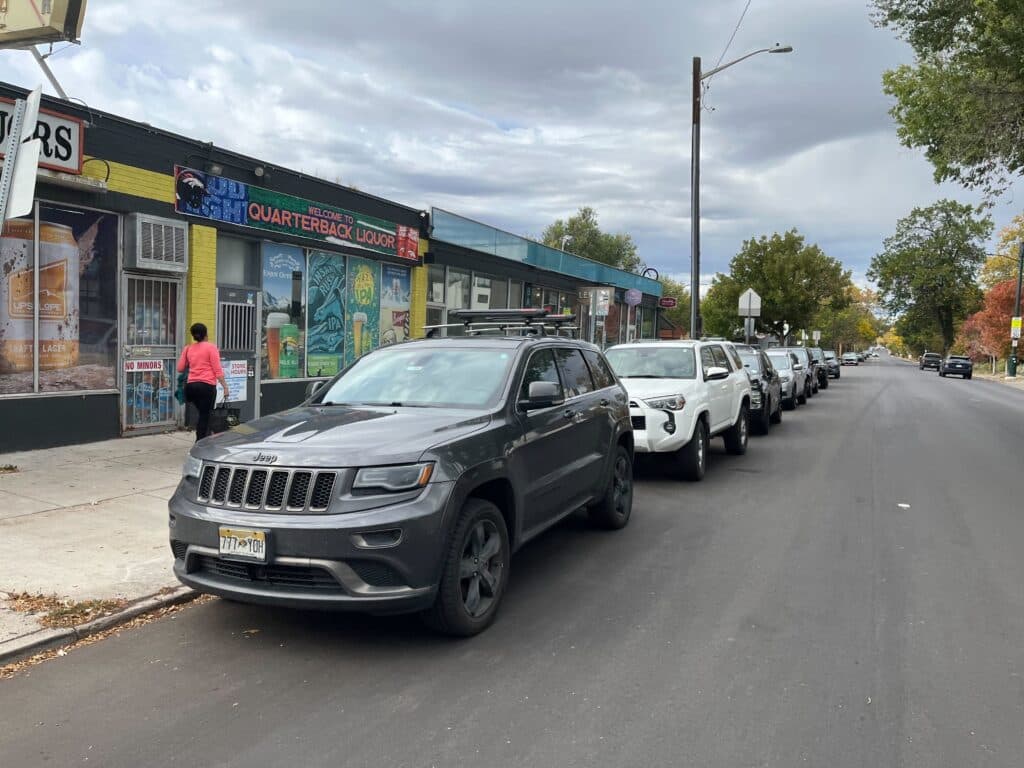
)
(203, 362)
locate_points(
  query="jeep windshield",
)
(653, 362)
(424, 376)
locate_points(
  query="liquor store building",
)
(136, 233)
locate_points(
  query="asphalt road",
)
(849, 593)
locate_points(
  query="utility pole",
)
(695, 329)
(1011, 367)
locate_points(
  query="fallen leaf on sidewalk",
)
(249, 631)
(62, 612)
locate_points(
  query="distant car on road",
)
(930, 360)
(820, 366)
(850, 358)
(957, 365)
(766, 388)
(833, 363)
(810, 369)
(792, 380)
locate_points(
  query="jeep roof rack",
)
(537, 321)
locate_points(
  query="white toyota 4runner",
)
(683, 393)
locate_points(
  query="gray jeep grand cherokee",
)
(404, 483)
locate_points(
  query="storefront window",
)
(499, 294)
(647, 322)
(362, 333)
(238, 261)
(550, 300)
(435, 316)
(436, 278)
(77, 302)
(458, 289)
(284, 311)
(17, 335)
(325, 312)
(536, 296)
(515, 292)
(481, 298)
(395, 297)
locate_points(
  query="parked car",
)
(861, 357)
(957, 365)
(930, 360)
(851, 358)
(766, 388)
(683, 393)
(792, 380)
(405, 483)
(820, 366)
(834, 366)
(809, 369)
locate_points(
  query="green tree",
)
(794, 279)
(928, 267)
(1002, 265)
(680, 315)
(963, 99)
(853, 326)
(583, 237)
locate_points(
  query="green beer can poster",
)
(325, 308)
(362, 332)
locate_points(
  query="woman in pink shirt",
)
(202, 360)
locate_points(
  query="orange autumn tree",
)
(987, 332)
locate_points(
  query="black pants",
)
(203, 397)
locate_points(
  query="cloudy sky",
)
(519, 113)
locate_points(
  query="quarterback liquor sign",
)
(234, 202)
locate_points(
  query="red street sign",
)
(668, 302)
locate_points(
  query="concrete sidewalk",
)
(86, 522)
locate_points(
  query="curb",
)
(48, 639)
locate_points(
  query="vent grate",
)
(220, 485)
(322, 489)
(237, 486)
(275, 494)
(299, 491)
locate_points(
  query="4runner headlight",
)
(667, 403)
(407, 477)
(192, 467)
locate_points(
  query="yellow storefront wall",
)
(418, 299)
(201, 283)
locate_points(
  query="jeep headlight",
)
(192, 467)
(406, 477)
(667, 403)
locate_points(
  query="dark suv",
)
(404, 483)
(930, 360)
(820, 366)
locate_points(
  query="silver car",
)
(792, 377)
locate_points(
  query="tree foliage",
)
(794, 279)
(927, 268)
(1003, 264)
(680, 315)
(853, 326)
(987, 332)
(894, 342)
(963, 99)
(587, 240)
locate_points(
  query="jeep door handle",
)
(569, 413)
(604, 402)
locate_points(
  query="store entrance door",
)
(152, 339)
(238, 337)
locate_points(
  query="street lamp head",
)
(781, 49)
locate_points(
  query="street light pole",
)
(695, 319)
(1011, 367)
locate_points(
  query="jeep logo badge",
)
(265, 458)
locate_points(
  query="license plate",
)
(244, 544)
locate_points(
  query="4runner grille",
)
(258, 489)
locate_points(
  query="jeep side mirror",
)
(542, 394)
(313, 387)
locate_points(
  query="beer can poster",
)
(362, 308)
(325, 310)
(77, 342)
(284, 321)
(394, 304)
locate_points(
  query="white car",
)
(683, 393)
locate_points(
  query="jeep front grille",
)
(258, 489)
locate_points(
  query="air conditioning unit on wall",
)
(156, 244)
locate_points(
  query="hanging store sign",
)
(62, 138)
(234, 202)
